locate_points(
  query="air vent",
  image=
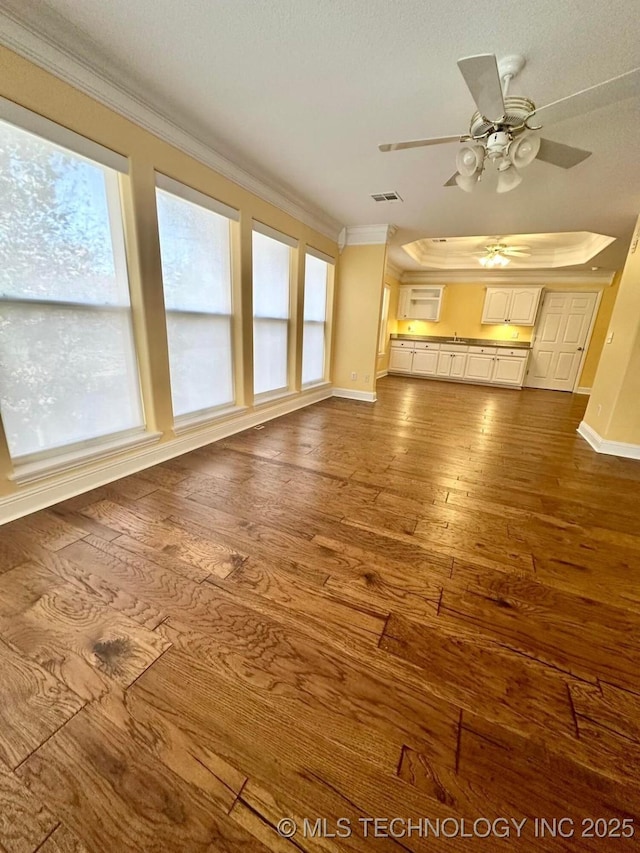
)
(392, 196)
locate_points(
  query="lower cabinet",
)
(451, 364)
(401, 360)
(509, 370)
(490, 365)
(479, 367)
(425, 362)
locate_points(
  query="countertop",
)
(475, 342)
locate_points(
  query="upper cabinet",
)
(420, 303)
(517, 305)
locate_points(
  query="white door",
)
(479, 367)
(496, 304)
(458, 364)
(524, 306)
(560, 339)
(425, 362)
(444, 363)
(509, 369)
(400, 359)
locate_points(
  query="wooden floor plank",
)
(34, 705)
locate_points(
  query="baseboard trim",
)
(611, 448)
(381, 374)
(46, 493)
(582, 390)
(351, 394)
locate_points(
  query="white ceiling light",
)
(508, 179)
(470, 159)
(524, 150)
(497, 254)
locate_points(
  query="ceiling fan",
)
(499, 254)
(503, 129)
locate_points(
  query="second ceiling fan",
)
(504, 128)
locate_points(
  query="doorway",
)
(563, 328)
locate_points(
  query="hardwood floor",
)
(424, 608)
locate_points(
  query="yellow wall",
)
(614, 406)
(599, 334)
(462, 312)
(382, 362)
(357, 316)
(36, 89)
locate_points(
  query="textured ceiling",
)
(300, 92)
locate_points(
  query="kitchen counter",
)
(475, 342)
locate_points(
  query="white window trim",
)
(43, 463)
(268, 231)
(169, 185)
(383, 338)
(321, 256)
(205, 417)
(62, 136)
(28, 469)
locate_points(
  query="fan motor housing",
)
(517, 111)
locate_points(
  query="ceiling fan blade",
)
(481, 76)
(419, 143)
(513, 254)
(617, 89)
(561, 155)
(452, 181)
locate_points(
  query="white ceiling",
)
(300, 93)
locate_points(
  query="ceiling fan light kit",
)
(502, 130)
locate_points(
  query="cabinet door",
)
(403, 304)
(509, 370)
(479, 367)
(444, 363)
(524, 306)
(458, 364)
(496, 304)
(425, 362)
(400, 360)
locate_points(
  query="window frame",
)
(293, 244)
(28, 467)
(383, 337)
(326, 323)
(200, 417)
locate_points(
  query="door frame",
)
(592, 323)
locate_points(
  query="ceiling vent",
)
(392, 196)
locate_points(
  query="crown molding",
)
(38, 47)
(598, 278)
(366, 235)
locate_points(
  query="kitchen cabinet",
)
(400, 359)
(509, 370)
(489, 365)
(451, 363)
(479, 367)
(517, 305)
(425, 362)
(420, 303)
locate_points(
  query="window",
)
(271, 272)
(383, 337)
(68, 371)
(196, 274)
(315, 319)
